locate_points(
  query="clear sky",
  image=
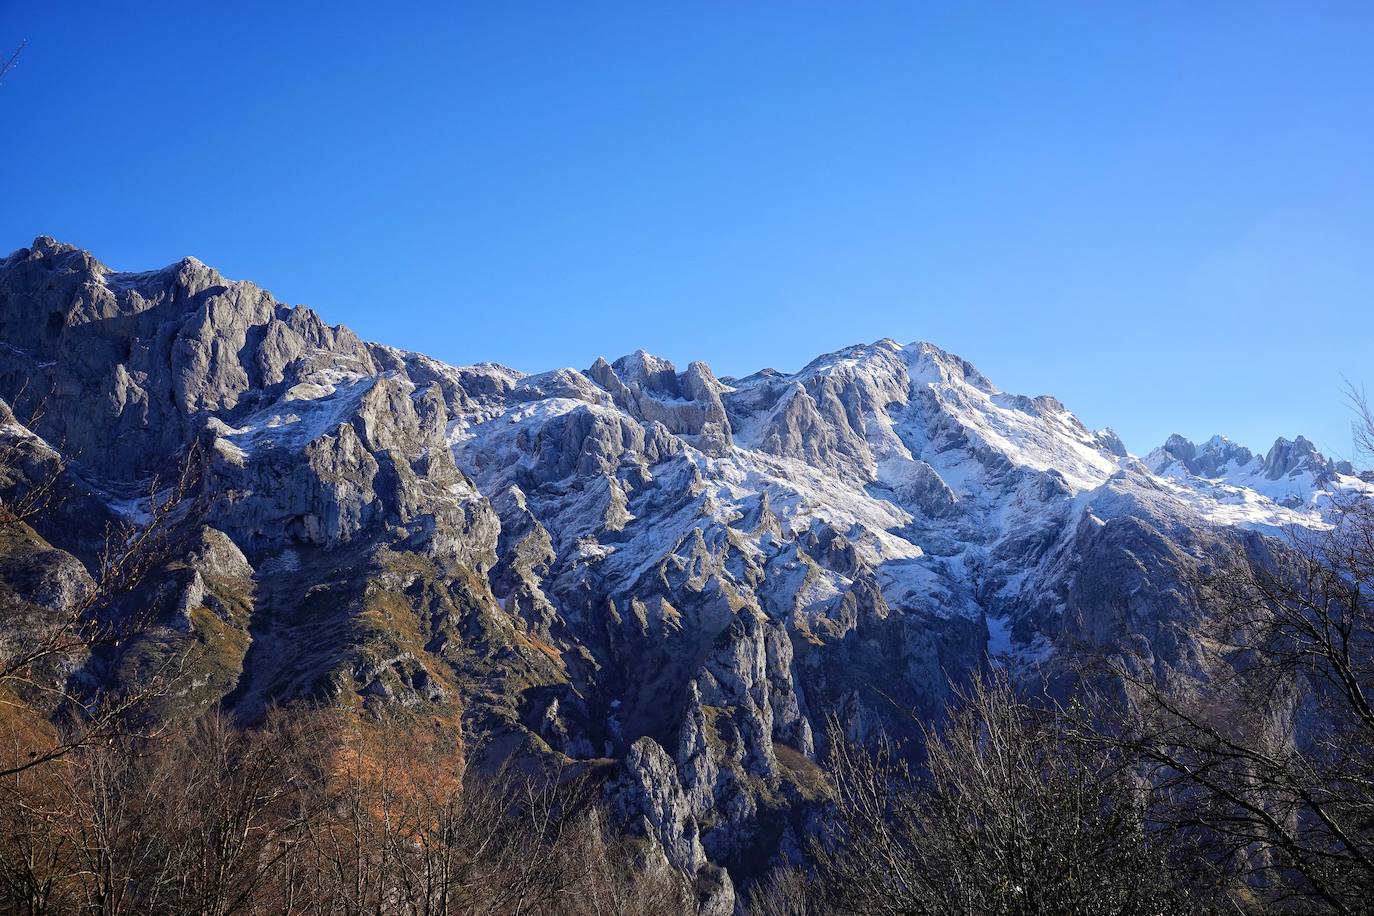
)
(1161, 213)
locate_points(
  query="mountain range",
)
(674, 580)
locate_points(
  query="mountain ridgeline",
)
(667, 578)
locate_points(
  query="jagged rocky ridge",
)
(666, 577)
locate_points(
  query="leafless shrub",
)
(787, 891)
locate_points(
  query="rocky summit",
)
(670, 579)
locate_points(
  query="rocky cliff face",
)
(680, 573)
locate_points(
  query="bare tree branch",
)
(1363, 424)
(12, 62)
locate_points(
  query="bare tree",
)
(42, 640)
(1362, 428)
(200, 820)
(1017, 813)
(409, 830)
(1271, 760)
(1274, 759)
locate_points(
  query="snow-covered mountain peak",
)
(1221, 458)
(642, 367)
(1289, 459)
(1292, 476)
(1211, 459)
(935, 364)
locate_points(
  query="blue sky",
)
(1161, 213)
